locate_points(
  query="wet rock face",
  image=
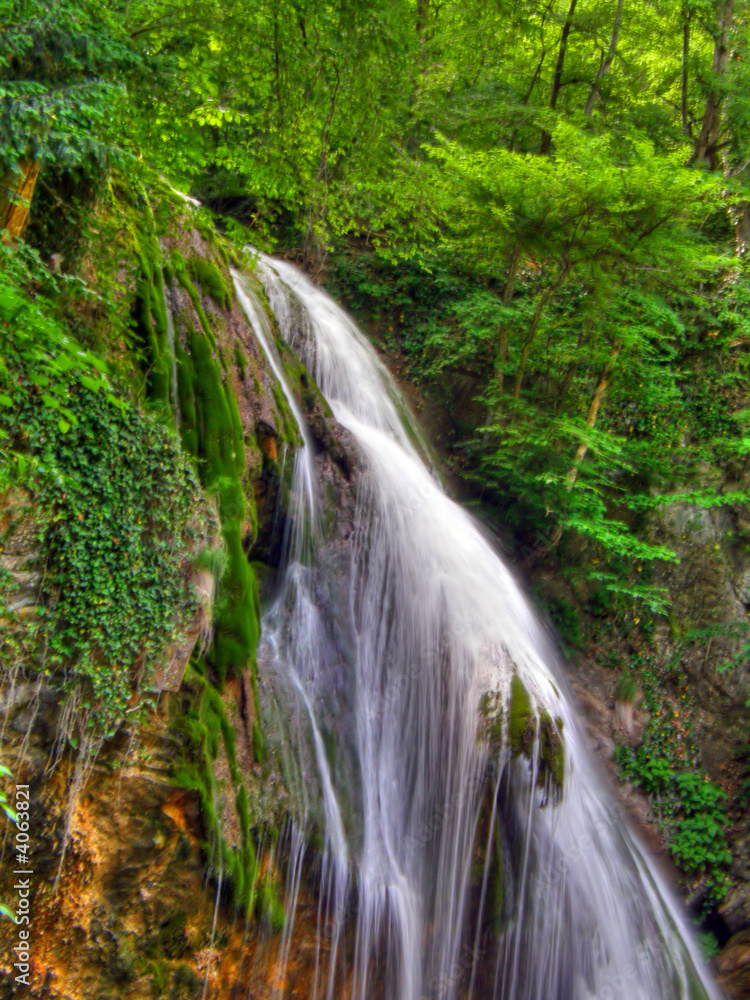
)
(136, 913)
(734, 965)
(135, 909)
(710, 597)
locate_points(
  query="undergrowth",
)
(688, 806)
(120, 509)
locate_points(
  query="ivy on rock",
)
(124, 515)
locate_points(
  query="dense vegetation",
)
(544, 206)
(546, 201)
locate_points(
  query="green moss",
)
(551, 753)
(158, 972)
(204, 222)
(523, 731)
(626, 689)
(186, 396)
(171, 936)
(221, 461)
(222, 251)
(239, 358)
(298, 378)
(238, 434)
(243, 812)
(212, 281)
(180, 270)
(149, 310)
(212, 431)
(207, 727)
(289, 432)
(521, 727)
(186, 985)
(217, 419)
(215, 710)
(151, 323)
(237, 625)
(271, 907)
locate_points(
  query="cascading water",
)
(464, 857)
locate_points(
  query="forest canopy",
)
(544, 203)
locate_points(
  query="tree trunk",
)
(510, 281)
(314, 252)
(527, 96)
(16, 192)
(570, 371)
(741, 220)
(606, 63)
(543, 300)
(707, 143)
(685, 59)
(423, 13)
(596, 402)
(540, 306)
(557, 79)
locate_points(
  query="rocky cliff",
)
(157, 845)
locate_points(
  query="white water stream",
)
(463, 882)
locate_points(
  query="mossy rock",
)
(551, 753)
(172, 937)
(240, 361)
(492, 708)
(521, 719)
(212, 281)
(186, 984)
(520, 728)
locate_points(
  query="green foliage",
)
(689, 806)
(34, 343)
(239, 358)
(122, 506)
(63, 65)
(209, 731)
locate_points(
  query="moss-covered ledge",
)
(514, 727)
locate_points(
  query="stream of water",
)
(452, 869)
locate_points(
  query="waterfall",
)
(471, 849)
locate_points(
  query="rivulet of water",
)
(469, 877)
